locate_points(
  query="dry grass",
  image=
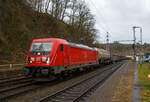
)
(123, 91)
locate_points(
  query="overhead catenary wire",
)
(104, 26)
(101, 16)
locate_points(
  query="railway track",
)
(78, 91)
(11, 77)
(16, 87)
(12, 81)
(12, 87)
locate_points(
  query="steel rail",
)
(75, 92)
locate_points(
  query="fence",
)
(12, 65)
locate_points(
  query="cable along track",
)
(78, 91)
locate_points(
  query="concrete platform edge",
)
(136, 88)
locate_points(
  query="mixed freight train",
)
(51, 57)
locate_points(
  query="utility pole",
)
(141, 35)
(107, 41)
(108, 48)
(141, 47)
(134, 44)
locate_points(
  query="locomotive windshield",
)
(42, 48)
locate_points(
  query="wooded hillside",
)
(24, 20)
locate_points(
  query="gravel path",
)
(118, 88)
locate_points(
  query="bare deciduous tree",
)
(76, 12)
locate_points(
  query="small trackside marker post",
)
(10, 65)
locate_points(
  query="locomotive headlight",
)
(44, 59)
(47, 60)
(32, 58)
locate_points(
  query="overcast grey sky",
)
(119, 16)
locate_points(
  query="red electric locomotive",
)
(50, 57)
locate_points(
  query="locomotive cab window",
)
(61, 47)
(43, 48)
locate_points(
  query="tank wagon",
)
(115, 57)
(51, 57)
(104, 56)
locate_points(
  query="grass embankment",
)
(144, 70)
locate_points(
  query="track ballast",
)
(78, 91)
